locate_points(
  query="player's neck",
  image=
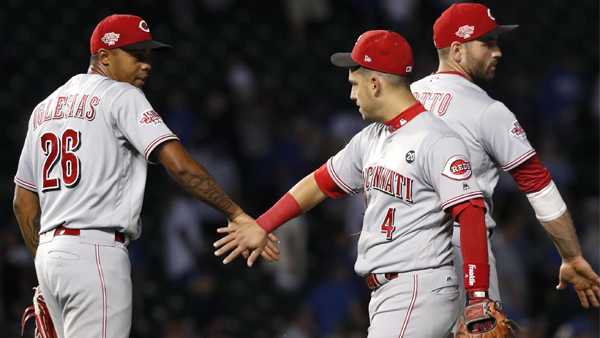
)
(97, 68)
(396, 105)
(449, 67)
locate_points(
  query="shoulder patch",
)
(150, 117)
(516, 130)
(458, 168)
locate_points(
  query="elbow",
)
(178, 172)
(17, 205)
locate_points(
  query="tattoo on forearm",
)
(206, 189)
(30, 231)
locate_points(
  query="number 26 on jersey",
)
(60, 149)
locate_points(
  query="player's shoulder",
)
(435, 129)
(463, 91)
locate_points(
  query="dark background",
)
(250, 91)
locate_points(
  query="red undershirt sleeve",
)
(326, 183)
(531, 175)
(473, 243)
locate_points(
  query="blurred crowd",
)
(250, 91)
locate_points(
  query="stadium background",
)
(250, 91)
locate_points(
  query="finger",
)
(273, 238)
(561, 285)
(591, 296)
(224, 240)
(596, 291)
(269, 256)
(226, 248)
(272, 246)
(225, 230)
(233, 254)
(583, 299)
(274, 255)
(246, 253)
(253, 256)
(588, 273)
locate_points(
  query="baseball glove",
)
(44, 328)
(485, 319)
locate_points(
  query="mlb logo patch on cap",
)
(464, 22)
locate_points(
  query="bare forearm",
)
(30, 231)
(562, 232)
(307, 193)
(195, 179)
(27, 212)
(203, 187)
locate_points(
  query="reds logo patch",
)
(144, 26)
(457, 167)
(110, 38)
(150, 117)
(465, 31)
(516, 130)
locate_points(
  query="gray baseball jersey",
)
(409, 175)
(489, 129)
(85, 154)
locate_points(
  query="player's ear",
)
(103, 56)
(456, 52)
(374, 84)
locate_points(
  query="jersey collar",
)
(403, 118)
(453, 72)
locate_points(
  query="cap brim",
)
(343, 60)
(149, 44)
(500, 29)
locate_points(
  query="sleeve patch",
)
(516, 130)
(458, 168)
(150, 117)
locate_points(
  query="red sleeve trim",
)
(474, 247)
(531, 175)
(517, 161)
(25, 184)
(157, 142)
(337, 179)
(326, 183)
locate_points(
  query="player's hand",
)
(243, 233)
(271, 251)
(579, 273)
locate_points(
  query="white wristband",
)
(547, 203)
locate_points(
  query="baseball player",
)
(416, 177)
(465, 36)
(81, 176)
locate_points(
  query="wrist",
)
(282, 211)
(476, 276)
(236, 213)
(477, 294)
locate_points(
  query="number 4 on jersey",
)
(69, 163)
(388, 224)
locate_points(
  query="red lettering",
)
(58, 110)
(91, 114)
(444, 104)
(81, 107)
(408, 184)
(48, 112)
(72, 99)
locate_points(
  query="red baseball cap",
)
(125, 31)
(380, 50)
(465, 22)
